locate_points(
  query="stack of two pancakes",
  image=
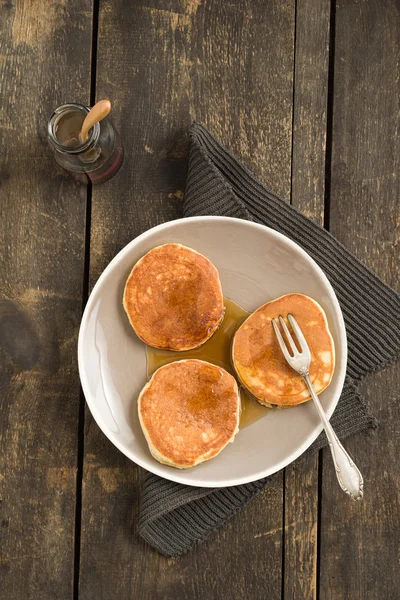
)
(190, 409)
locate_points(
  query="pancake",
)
(189, 411)
(258, 359)
(173, 298)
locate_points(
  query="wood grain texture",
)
(308, 191)
(310, 107)
(229, 65)
(45, 61)
(360, 542)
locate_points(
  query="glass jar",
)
(98, 158)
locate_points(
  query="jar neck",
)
(61, 114)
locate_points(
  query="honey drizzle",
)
(216, 350)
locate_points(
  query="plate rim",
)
(175, 473)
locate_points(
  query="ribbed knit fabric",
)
(174, 517)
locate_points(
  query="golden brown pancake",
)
(189, 411)
(173, 298)
(258, 359)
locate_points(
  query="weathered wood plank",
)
(360, 542)
(230, 66)
(308, 190)
(45, 60)
(310, 107)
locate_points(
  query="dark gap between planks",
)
(85, 295)
(329, 115)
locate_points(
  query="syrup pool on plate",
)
(216, 350)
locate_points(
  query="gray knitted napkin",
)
(173, 516)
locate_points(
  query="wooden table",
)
(304, 92)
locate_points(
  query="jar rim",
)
(93, 135)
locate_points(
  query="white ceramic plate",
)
(256, 264)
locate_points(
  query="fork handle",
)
(348, 475)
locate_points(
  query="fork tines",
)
(304, 351)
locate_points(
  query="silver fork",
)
(348, 475)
